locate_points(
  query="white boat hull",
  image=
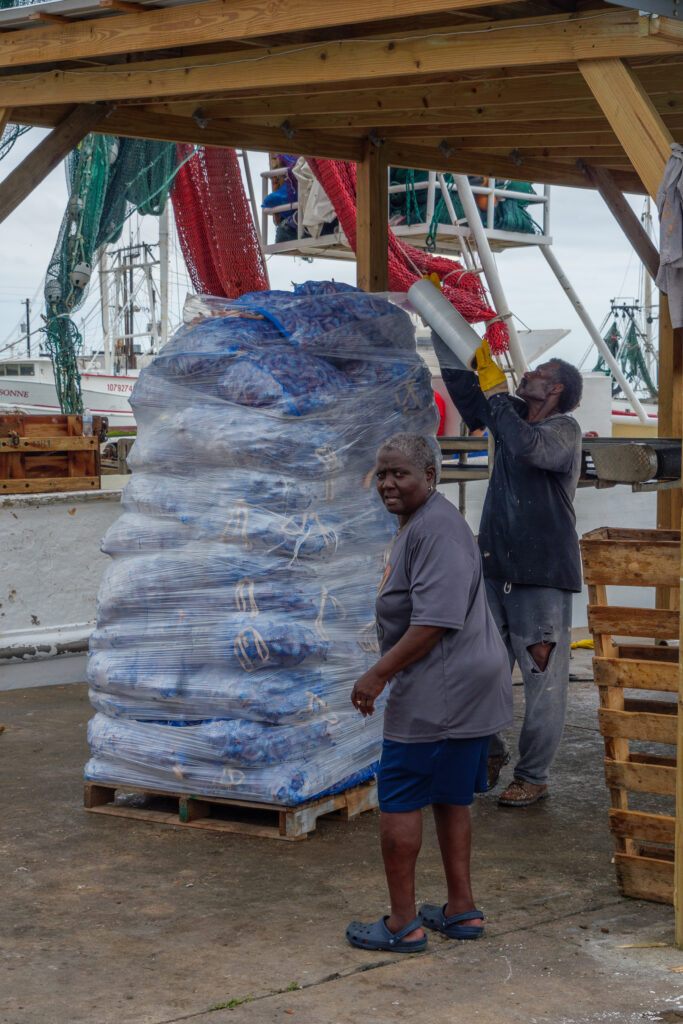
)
(103, 394)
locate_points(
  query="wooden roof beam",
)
(469, 161)
(526, 42)
(34, 168)
(633, 117)
(142, 125)
(532, 85)
(211, 22)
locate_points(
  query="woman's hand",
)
(366, 691)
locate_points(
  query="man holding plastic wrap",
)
(528, 543)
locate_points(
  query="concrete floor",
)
(107, 921)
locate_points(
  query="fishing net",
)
(408, 264)
(410, 207)
(10, 135)
(215, 227)
(629, 354)
(108, 178)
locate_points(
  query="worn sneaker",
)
(494, 766)
(521, 793)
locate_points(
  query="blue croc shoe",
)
(378, 936)
(433, 917)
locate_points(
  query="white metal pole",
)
(105, 302)
(491, 204)
(429, 215)
(254, 209)
(163, 275)
(585, 319)
(488, 263)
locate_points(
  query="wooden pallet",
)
(644, 840)
(47, 453)
(242, 817)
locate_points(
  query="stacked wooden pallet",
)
(638, 682)
(243, 817)
(47, 453)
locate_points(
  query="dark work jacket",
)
(528, 526)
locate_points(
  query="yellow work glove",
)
(490, 374)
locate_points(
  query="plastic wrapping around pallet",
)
(265, 785)
(341, 319)
(239, 742)
(247, 641)
(250, 547)
(215, 577)
(137, 685)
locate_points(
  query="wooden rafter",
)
(462, 161)
(47, 155)
(368, 106)
(211, 22)
(142, 125)
(633, 117)
(521, 43)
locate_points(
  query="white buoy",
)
(444, 319)
(80, 275)
(53, 291)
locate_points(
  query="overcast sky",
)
(592, 250)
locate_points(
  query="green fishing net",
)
(410, 207)
(629, 354)
(10, 135)
(108, 178)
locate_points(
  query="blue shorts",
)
(414, 775)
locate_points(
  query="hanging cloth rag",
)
(670, 207)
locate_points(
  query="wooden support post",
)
(632, 115)
(5, 114)
(20, 182)
(678, 866)
(602, 180)
(670, 419)
(372, 220)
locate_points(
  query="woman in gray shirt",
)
(450, 690)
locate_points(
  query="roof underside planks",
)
(446, 84)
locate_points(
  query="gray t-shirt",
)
(462, 687)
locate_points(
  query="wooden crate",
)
(47, 453)
(644, 840)
(243, 817)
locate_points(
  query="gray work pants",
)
(525, 616)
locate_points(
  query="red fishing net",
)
(216, 230)
(406, 263)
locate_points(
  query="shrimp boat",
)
(132, 314)
(29, 385)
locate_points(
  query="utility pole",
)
(28, 327)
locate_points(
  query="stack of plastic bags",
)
(238, 609)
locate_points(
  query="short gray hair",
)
(423, 452)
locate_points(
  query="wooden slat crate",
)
(644, 839)
(47, 453)
(262, 820)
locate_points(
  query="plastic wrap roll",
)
(238, 608)
(444, 319)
